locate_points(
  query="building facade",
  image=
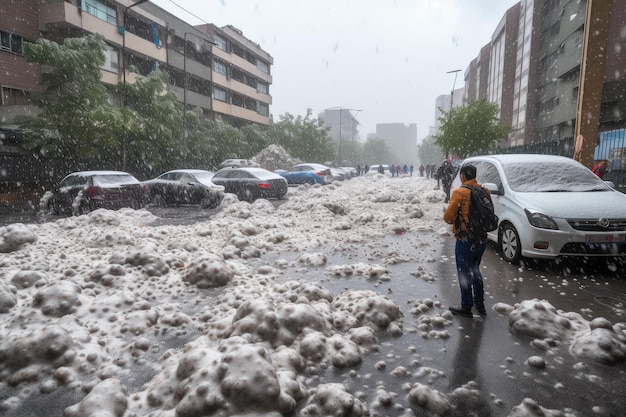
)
(535, 69)
(216, 70)
(401, 140)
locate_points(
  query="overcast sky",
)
(388, 59)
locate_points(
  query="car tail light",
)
(320, 173)
(94, 191)
(264, 185)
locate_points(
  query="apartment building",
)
(142, 35)
(401, 140)
(535, 69)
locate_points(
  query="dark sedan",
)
(184, 186)
(249, 184)
(85, 191)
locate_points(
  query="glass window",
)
(262, 88)
(111, 59)
(219, 67)
(219, 94)
(221, 42)
(100, 10)
(263, 109)
(263, 66)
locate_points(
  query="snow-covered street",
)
(330, 304)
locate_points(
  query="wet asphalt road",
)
(479, 349)
(484, 349)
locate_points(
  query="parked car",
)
(351, 171)
(238, 163)
(85, 191)
(374, 170)
(551, 206)
(184, 186)
(249, 183)
(617, 179)
(308, 174)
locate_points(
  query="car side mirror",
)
(493, 189)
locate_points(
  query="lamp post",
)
(124, 66)
(456, 72)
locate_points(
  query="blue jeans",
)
(468, 254)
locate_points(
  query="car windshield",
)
(203, 176)
(556, 177)
(113, 180)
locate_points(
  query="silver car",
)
(551, 206)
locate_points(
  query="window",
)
(219, 67)
(263, 109)
(219, 94)
(221, 42)
(14, 97)
(100, 10)
(262, 88)
(11, 42)
(111, 59)
(263, 66)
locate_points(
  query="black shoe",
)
(481, 309)
(461, 311)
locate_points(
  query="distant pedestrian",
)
(381, 169)
(393, 170)
(398, 169)
(358, 170)
(405, 169)
(421, 170)
(411, 169)
(366, 170)
(601, 168)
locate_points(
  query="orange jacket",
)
(460, 201)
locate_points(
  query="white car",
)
(551, 206)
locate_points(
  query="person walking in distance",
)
(469, 249)
(601, 168)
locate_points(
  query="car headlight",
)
(540, 220)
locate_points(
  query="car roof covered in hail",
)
(94, 173)
(523, 158)
(259, 172)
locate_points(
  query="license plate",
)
(606, 238)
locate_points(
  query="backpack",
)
(482, 218)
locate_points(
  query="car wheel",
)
(83, 208)
(310, 181)
(157, 200)
(247, 194)
(52, 208)
(510, 245)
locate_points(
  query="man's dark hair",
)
(469, 171)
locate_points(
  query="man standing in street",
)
(469, 249)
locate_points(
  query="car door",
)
(487, 172)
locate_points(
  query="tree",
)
(305, 138)
(429, 152)
(471, 129)
(375, 151)
(76, 118)
(150, 133)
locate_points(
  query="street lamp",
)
(123, 31)
(456, 72)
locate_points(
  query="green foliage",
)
(429, 152)
(471, 130)
(375, 151)
(151, 133)
(305, 138)
(75, 118)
